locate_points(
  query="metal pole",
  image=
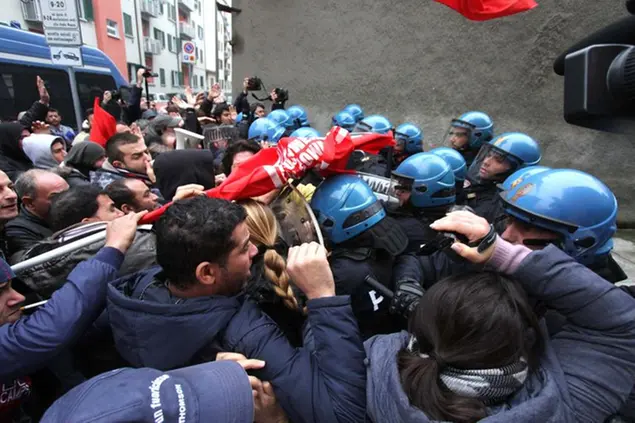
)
(63, 250)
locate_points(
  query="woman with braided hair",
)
(270, 285)
(477, 350)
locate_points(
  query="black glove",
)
(408, 292)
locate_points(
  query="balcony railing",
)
(151, 46)
(187, 31)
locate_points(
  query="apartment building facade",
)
(150, 33)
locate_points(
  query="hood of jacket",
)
(152, 328)
(12, 156)
(540, 398)
(181, 167)
(38, 148)
(83, 156)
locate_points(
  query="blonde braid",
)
(263, 230)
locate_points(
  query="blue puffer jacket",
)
(154, 329)
(586, 371)
(33, 341)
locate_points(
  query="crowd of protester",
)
(477, 284)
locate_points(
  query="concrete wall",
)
(416, 60)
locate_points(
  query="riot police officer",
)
(364, 243)
(424, 184)
(496, 160)
(468, 133)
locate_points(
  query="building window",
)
(171, 43)
(202, 82)
(112, 28)
(160, 36)
(201, 56)
(220, 64)
(200, 32)
(85, 9)
(172, 12)
(127, 25)
(162, 76)
(195, 81)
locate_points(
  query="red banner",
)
(483, 10)
(292, 158)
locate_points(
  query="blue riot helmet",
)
(573, 204)
(298, 117)
(470, 131)
(502, 156)
(306, 133)
(374, 123)
(239, 117)
(264, 129)
(356, 111)
(346, 207)
(428, 179)
(279, 116)
(520, 175)
(454, 159)
(409, 139)
(344, 120)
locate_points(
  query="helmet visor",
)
(298, 224)
(492, 164)
(363, 127)
(459, 135)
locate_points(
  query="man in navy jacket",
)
(29, 343)
(191, 307)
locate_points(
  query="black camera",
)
(254, 84)
(148, 74)
(282, 95)
(599, 72)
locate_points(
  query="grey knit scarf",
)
(488, 385)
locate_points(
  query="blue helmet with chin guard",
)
(454, 159)
(571, 203)
(298, 117)
(428, 178)
(520, 175)
(356, 111)
(410, 137)
(265, 129)
(504, 155)
(306, 133)
(480, 128)
(344, 120)
(345, 206)
(374, 123)
(279, 116)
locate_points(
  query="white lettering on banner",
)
(301, 154)
(375, 300)
(155, 397)
(15, 391)
(182, 407)
(376, 183)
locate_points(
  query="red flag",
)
(104, 125)
(483, 10)
(291, 158)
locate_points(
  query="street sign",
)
(189, 52)
(63, 37)
(62, 31)
(67, 56)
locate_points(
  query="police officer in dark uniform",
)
(468, 133)
(497, 160)
(365, 243)
(424, 184)
(377, 164)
